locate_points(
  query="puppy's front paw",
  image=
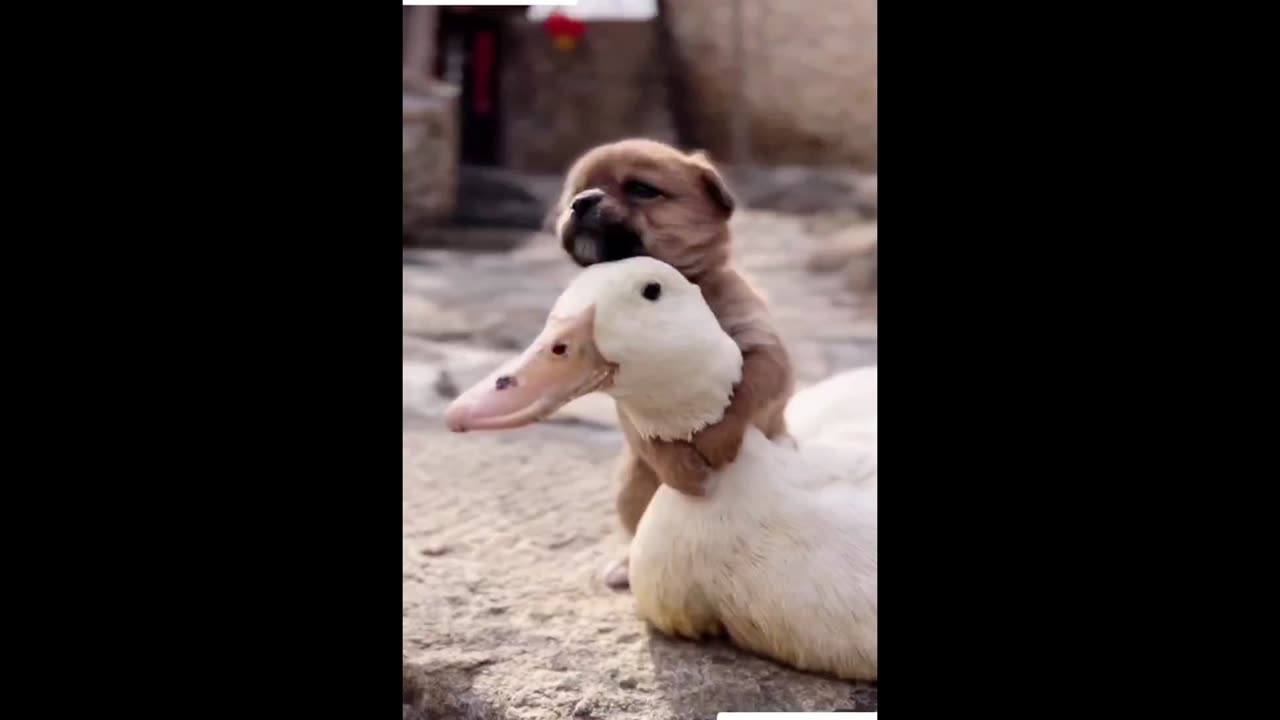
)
(720, 443)
(618, 574)
(681, 466)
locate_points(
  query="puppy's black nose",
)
(586, 200)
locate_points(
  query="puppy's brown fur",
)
(609, 211)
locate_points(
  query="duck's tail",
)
(844, 404)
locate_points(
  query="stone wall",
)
(429, 123)
(811, 78)
(558, 104)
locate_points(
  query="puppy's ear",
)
(717, 189)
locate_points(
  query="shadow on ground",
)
(443, 694)
(713, 676)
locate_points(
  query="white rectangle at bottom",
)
(787, 715)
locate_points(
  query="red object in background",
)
(482, 57)
(564, 30)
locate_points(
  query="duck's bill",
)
(561, 365)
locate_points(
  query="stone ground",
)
(505, 534)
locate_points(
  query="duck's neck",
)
(664, 407)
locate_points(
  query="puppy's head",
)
(640, 197)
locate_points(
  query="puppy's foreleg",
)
(636, 484)
(760, 397)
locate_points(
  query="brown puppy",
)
(640, 197)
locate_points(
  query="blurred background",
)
(497, 103)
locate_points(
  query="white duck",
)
(781, 553)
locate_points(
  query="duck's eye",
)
(640, 191)
(652, 291)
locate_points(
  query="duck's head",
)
(635, 329)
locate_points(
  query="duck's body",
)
(781, 556)
(781, 553)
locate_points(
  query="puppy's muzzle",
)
(586, 200)
(596, 230)
(586, 209)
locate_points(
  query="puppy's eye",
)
(640, 190)
(652, 292)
